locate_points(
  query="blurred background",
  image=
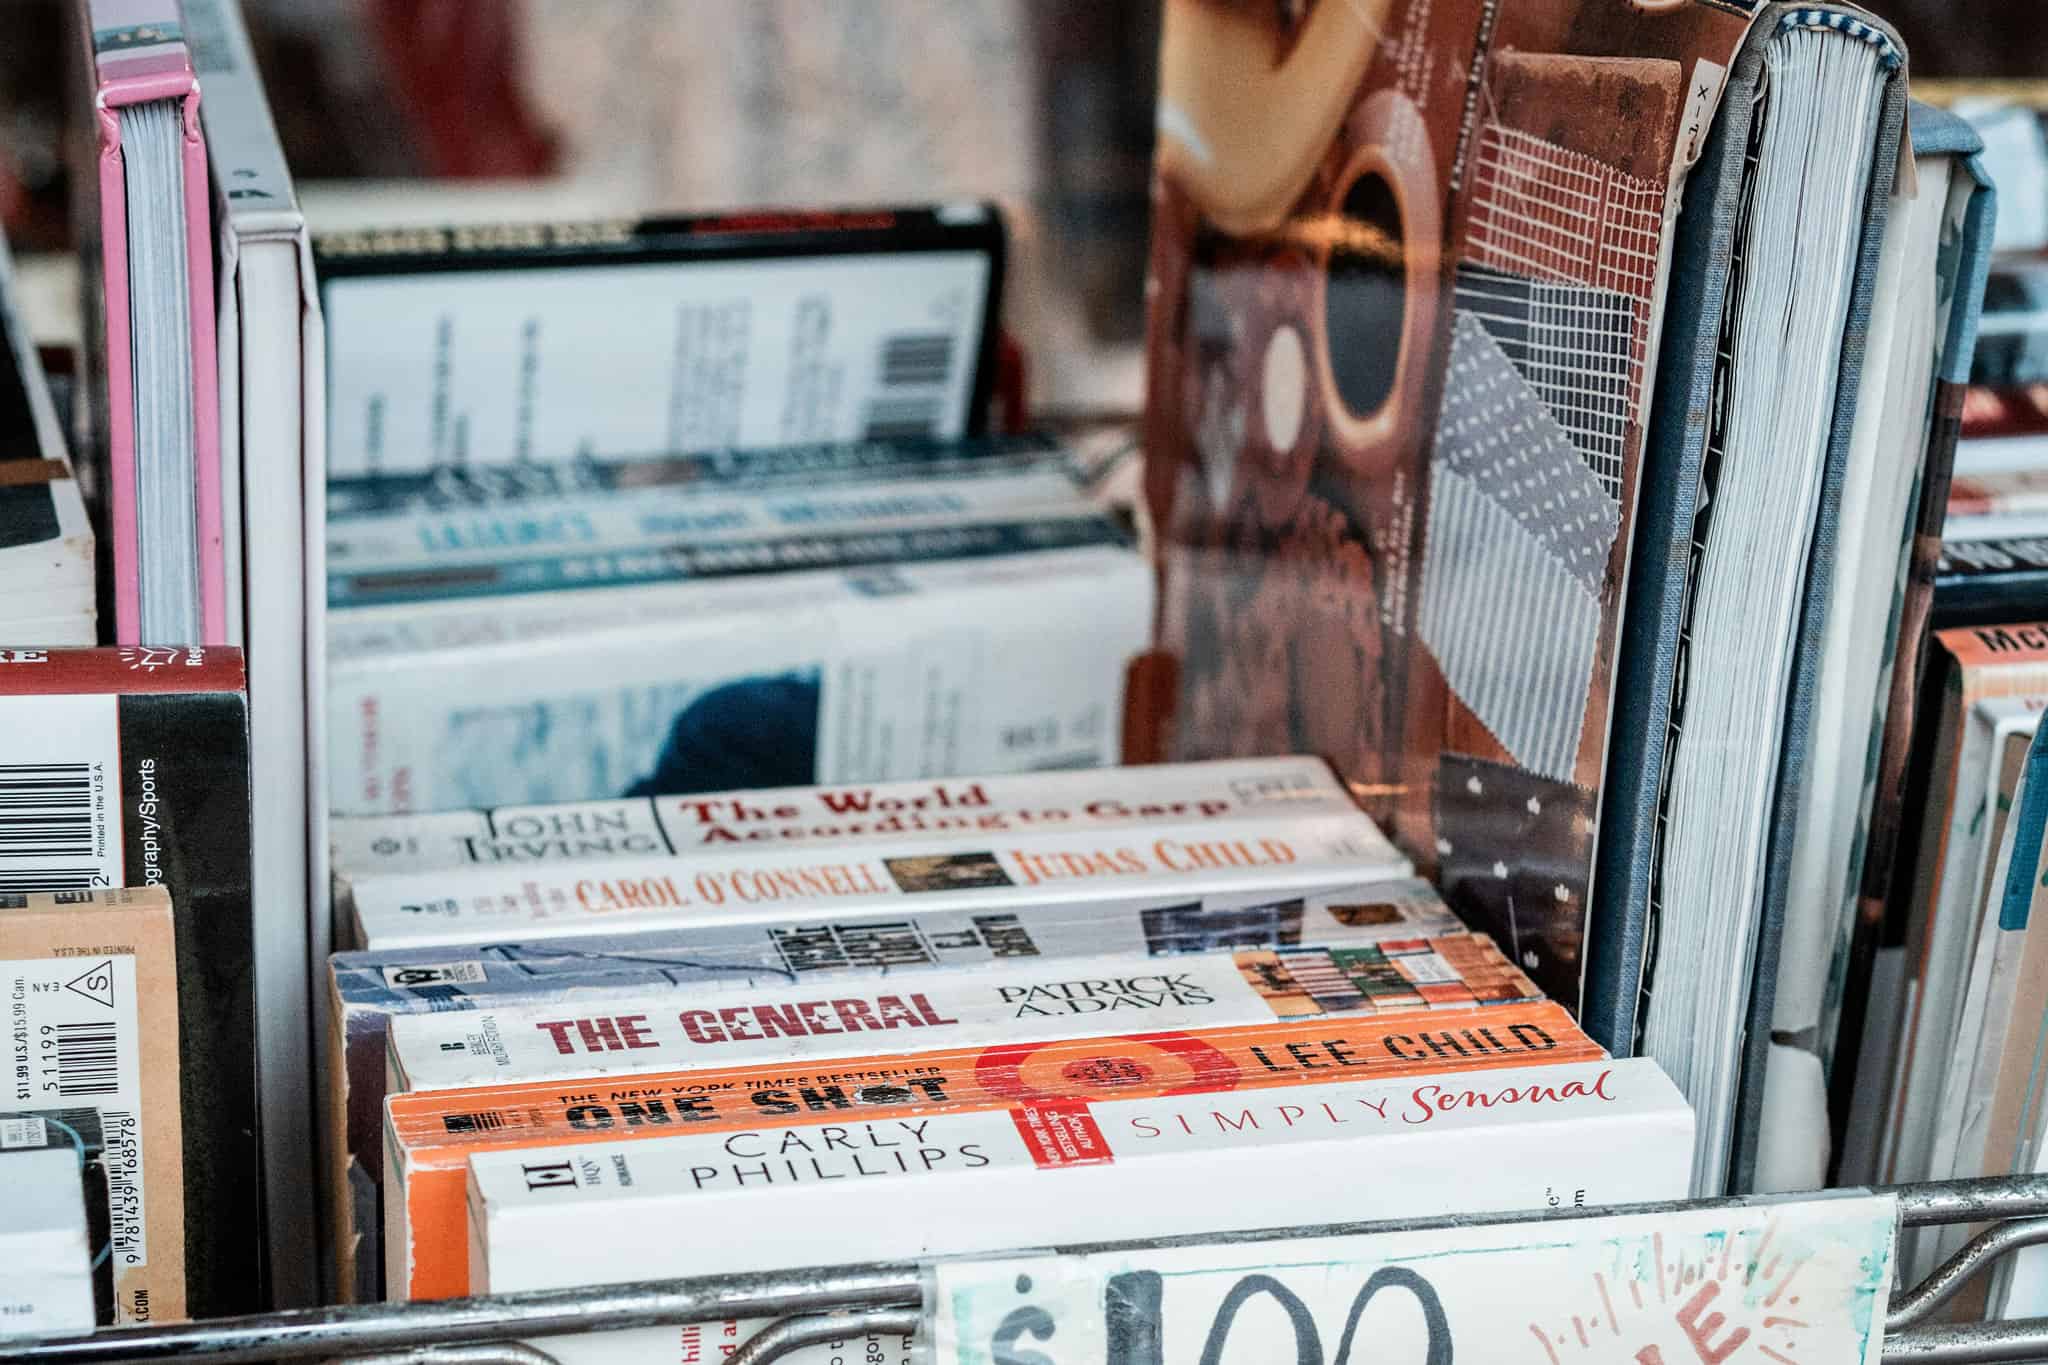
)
(434, 111)
(402, 111)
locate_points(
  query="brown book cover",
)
(1407, 256)
(90, 980)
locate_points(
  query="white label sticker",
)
(413, 976)
(23, 1133)
(1428, 969)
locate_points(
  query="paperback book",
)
(1222, 790)
(510, 534)
(1065, 1163)
(91, 981)
(973, 662)
(372, 990)
(430, 1137)
(1933, 917)
(959, 871)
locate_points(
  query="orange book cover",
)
(430, 1137)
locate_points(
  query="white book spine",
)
(1062, 1172)
(993, 666)
(1283, 788)
(482, 904)
(695, 515)
(678, 1029)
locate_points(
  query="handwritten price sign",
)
(1768, 1283)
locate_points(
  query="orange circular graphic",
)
(1139, 1067)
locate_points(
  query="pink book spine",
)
(152, 63)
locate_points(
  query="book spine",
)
(429, 1136)
(1043, 1173)
(818, 464)
(30, 672)
(606, 241)
(786, 523)
(604, 560)
(938, 874)
(677, 1029)
(2018, 642)
(250, 173)
(409, 980)
(1283, 788)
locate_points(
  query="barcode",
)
(917, 358)
(50, 879)
(46, 811)
(88, 1062)
(486, 1122)
(911, 360)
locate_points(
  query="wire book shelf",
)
(810, 1306)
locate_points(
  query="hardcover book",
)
(371, 990)
(429, 1137)
(151, 325)
(1408, 260)
(518, 342)
(130, 768)
(1063, 1165)
(1779, 439)
(1903, 446)
(92, 983)
(273, 474)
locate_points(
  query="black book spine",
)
(184, 817)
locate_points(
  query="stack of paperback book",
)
(1031, 999)
(599, 629)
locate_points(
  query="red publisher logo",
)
(1060, 1134)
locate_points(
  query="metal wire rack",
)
(814, 1305)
